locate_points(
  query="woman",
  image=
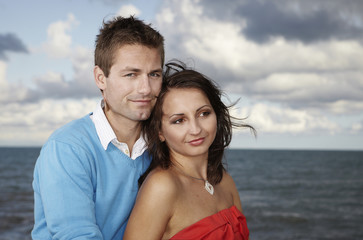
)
(186, 193)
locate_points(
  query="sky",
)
(294, 66)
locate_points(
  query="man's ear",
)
(100, 78)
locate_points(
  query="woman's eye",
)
(204, 114)
(178, 121)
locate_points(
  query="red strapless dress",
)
(227, 224)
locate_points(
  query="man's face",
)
(134, 81)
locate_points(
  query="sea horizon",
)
(247, 149)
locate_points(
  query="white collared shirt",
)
(106, 134)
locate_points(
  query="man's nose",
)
(144, 85)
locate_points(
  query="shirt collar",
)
(106, 134)
(103, 127)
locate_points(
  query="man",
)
(85, 179)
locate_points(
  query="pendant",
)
(209, 187)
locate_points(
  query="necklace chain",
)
(209, 187)
(187, 175)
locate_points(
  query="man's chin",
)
(143, 116)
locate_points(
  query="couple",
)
(86, 177)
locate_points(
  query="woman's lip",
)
(196, 142)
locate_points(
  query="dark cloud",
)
(298, 20)
(266, 20)
(111, 2)
(60, 88)
(50, 87)
(318, 97)
(10, 43)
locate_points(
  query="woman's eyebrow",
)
(176, 114)
(181, 114)
(203, 107)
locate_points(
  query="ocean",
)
(292, 195)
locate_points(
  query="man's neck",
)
(126, 130)
(128, 134)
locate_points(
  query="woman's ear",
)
(161, 137)
(100, 78)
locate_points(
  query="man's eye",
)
(155, 74)
(130, 75)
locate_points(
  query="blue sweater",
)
(80, 190)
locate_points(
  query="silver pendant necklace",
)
(209, 187)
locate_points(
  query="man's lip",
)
(141, 100)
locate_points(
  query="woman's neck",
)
(191, 166)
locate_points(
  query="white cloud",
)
(31, 112)
(32, 123)
(344, 107)
(52, 84)
(59, 42)
(222, 45)
(129, 9)
(3, 82)
(308, 87)
(357, 127)
(267, 118)
(10, 92)
(166, 16)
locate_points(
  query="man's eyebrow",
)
(130, 69)
(157, 70)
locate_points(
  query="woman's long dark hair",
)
(178, 76)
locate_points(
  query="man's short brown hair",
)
(122, 31)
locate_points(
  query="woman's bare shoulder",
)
(160, 181)
(229, 184)
(227, 179)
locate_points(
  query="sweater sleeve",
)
(64, 174)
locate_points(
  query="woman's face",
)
(188, 123)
